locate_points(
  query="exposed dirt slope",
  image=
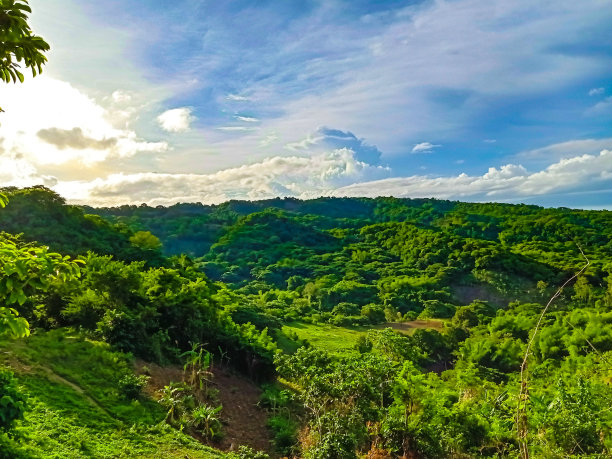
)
(244, 422)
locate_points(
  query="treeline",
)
(43, 216)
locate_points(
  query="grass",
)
(342, 340)
(75, 410)
(408, 328)
(332, 339)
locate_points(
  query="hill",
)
(376, 328)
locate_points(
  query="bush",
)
(274, 398)
(285, 434)
(131, 386)
(12, 401)
(206, 420)
(246, 452)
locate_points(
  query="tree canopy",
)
(18, 45)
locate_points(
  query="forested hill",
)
(398, 327)
(193, 228)
(41, 215)
(489, 251)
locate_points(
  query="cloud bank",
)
(276, 176)
(338, 173)
(580, 174)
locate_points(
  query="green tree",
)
(18, 45)
(146, 240)
(26, 269)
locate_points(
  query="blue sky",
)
(198, 100)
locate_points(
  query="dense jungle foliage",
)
(379, 327)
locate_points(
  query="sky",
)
(161, 102)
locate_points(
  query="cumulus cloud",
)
(74, 138)
(424, 147)
(325, 138)
(585, 173)
(296, 176)
(176, 119)
(50, 122)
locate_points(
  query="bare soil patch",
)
(409, 327)
(244, 422)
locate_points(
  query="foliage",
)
(246, 452)
(318, 279)
(12, 401)
(204, 418)
(75, 410)
(42, 216)
(17, 42)
(131, 386)
(177, 400)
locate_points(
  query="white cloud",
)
(16, 171)
(121, 97)
(335, 173)
(424, 147)
(325, 139)
(247, 119)
(277, 176)
(601, 108)
(338, 173)
(585, 173)
(176, 119)
(597, 91)
(237, 98)
(50, 122)
(268, 140)
(237, 128)
(567, 149)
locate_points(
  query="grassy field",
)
(408, 328)
(330, 338)
(340, 340)
(75, 410)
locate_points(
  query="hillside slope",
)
(74, 408)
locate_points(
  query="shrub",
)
(285, 434)
(274, 398)
(204, 418)
(12, 401)
(246, 452)
(131, 386)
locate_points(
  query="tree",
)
(18, 45)
(145, 240)
(24, 270)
